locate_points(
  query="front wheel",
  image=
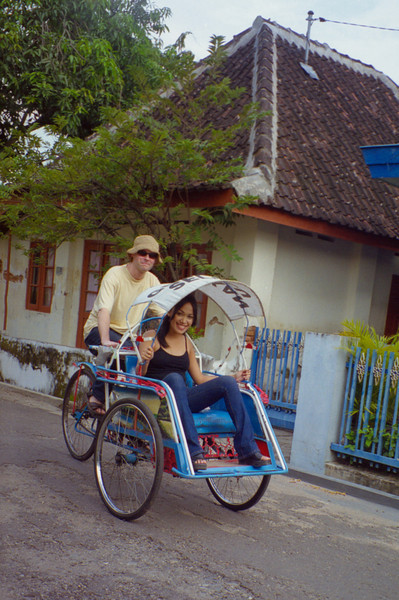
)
(128, 459)
(79, 428)
(238, 493)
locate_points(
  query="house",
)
(322, 243)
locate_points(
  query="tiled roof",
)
(305, 157)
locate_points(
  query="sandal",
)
(95, 407)
(199, 462)
(256, 460)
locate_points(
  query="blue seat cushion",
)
(213, 421)
(131, 363)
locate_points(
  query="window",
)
(39, 293)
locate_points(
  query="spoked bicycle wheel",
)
(238, 493)
(128, 459)
(78, 426)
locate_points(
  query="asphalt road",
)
(58, 542)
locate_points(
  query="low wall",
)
(37, 366)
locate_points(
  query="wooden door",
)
(96, 259)
(392, 322)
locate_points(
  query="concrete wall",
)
(37, 366)
(320, 401)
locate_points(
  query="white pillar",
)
(320, 400)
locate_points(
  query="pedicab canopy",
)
(236, 299)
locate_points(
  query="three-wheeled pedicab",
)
(141, 435)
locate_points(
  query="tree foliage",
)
(136, 174)
(358, 333)
(63, 60)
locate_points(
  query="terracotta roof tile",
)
(317, 127)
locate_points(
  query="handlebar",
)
(103, 355)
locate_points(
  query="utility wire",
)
(323, 20)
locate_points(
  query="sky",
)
(379, 48)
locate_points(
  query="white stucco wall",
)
(12, 301)
(257, 242)
(311, 283)
(305, 283)
(59, 326)
(313, 289)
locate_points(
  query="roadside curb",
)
(53, 400)
(368, 484)
(377, 479)
(346, 487)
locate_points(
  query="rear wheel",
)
(78, 426)
(128, 459)
(238, 493)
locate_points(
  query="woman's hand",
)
(242, 375)
(147, 353)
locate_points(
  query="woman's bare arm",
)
(147, 349)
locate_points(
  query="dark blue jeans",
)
(195, 399)
(93, 339)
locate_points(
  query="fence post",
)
(320, 400)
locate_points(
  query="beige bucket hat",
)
(145, 242)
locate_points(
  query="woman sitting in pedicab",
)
(169, 356)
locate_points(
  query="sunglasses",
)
(152, 255)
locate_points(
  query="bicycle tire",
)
(238, 493)
(128, 459)
(78, 426)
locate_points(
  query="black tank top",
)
(163, 363)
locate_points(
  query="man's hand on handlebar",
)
(110, 343)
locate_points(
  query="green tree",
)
(62, 60)
(137, 174)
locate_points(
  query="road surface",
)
(58, 542)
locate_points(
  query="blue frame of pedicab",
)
(166, 296)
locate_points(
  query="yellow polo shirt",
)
(118, 290)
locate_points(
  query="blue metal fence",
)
(370, 419)
(276, 367)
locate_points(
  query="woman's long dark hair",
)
(164, 328)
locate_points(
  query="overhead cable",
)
(323, 20)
